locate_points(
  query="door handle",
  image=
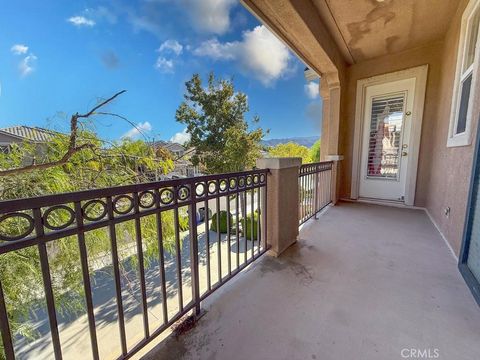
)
(404, 153)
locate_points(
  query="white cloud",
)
(81, 21)
(181, 137)
(259, 53)
(19, 49)
(138, 130)
(216, 50)
(171, 46)
(101, 13)
(312, 90)
(210, 16)
(27, 65)
(164, 65)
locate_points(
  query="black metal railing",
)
(314, 189)
(160, 248)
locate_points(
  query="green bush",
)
(223, 222)
(247, 226)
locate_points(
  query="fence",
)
(314, 186)
(161, 248)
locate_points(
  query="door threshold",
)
(383, 202)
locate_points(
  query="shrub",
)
(247, 226)
(223, 222)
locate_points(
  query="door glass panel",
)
(385, 138)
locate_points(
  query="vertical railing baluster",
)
(207, 243)
(5, 328)
(86, 279)
(141, 264)
(161, 256)
(244, 224)
(237, 228)
(265, 217)
(194, 249)
(316, 188)
(178, 253)
(229, 249)
(259, 229)
(116, 272)
(252, 202)
(219, 236)
(47, 284)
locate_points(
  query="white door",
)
(387, 125)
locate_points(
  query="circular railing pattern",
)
(56, 216)
(58, 222)
(223, 186)
(166, 196)
(183, 193)
(123, 204)
(200, 189)
(13, 218)
(146, 199)
(241, 182)
(94, 210)
(212, 187)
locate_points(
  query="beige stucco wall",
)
(443, 173)
(450, 168)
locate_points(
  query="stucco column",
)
(282, 202)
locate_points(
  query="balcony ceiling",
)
(361, 29)
(372, 28)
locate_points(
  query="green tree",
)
(290, 149)
(215, 119)
(314, 152)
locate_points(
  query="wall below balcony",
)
(444, 173)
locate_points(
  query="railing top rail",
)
(315, 167)
(70, 197)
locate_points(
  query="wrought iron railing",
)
(226, 231)
(314, 189)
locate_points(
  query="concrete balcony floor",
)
(363, 282)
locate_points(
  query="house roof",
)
(171, 146)
(34, 134)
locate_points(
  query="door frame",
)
(467, 274)
(420, 74)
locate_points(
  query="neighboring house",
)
(21, 133)
(181, 157)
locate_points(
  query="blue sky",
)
(59, 57)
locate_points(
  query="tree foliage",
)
(314, 152)
(215, 119)
(97, 165)
(290, 149)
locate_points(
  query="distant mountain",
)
(307, 141)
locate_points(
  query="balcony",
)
(362, 282)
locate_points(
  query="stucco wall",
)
(450, 168)
(444, 173)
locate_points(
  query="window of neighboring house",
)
(465, 82)
(4, 149)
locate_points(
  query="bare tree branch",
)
(72, 144)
